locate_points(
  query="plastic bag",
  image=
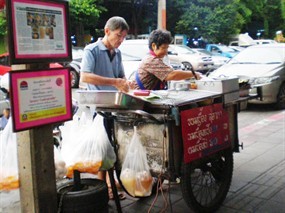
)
(135, 175)
(9, 173)
(60, 166)
(89, 150)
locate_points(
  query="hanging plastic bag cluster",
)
(135, 175)
(9, 174)
(86, 146)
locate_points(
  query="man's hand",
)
(122, 85)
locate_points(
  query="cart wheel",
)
(93, 196)
(206, 182)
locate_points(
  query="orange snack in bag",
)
(9, 183)
(84, 167)
(143, 183)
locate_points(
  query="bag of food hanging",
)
(87, 152)
(135, 175)
(9, 173)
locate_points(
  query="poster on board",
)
(38, 31)
(40, 97)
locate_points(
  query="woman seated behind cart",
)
(153, 73)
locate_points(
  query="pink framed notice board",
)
(40, 97)
(38, 31)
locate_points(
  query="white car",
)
(190, 60)
(195, 61)
(137, 49)
(265, 41)
(218, 60)
(263, 67)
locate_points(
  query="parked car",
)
(74, 65)
(4, 63)
(265, 41)
(138, 48)
(218, 60)
(4, 102)
(189, 58)
(237, 48)
(261, 66)
(218, 49)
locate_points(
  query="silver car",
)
(218, 60)
(138, 48)
(188, 57)
(263, 67)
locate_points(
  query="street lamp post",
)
(161, 15)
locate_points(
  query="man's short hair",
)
(159, 37)
(117, 22)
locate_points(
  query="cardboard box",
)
(231, 96)
(227, 86)
(223, 85)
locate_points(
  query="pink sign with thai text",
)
(40, 97)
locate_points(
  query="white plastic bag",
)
(9, 173)
(60, 166)
(89, 149)
(135, 175)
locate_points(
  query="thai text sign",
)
(40, 97)
(205, 130)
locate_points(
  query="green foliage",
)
(86, 12)
(283, 9)
(3, 24)
(267, 15)
(216, 20)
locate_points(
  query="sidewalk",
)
(258, 183)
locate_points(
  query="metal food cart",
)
(189, 135)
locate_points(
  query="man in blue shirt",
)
(102, 68)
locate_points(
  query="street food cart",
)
(188, 134)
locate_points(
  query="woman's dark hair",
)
(159, 37)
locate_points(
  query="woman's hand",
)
(198, 75)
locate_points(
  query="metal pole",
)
(161, 15)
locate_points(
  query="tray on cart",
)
(110, 99)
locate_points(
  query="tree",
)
(3, 23)
(141, 15)
(83, 15)
(146, 9)
(267, 16)
(216, 20)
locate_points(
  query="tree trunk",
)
(79, 34)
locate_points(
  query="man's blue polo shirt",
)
(96, 60)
